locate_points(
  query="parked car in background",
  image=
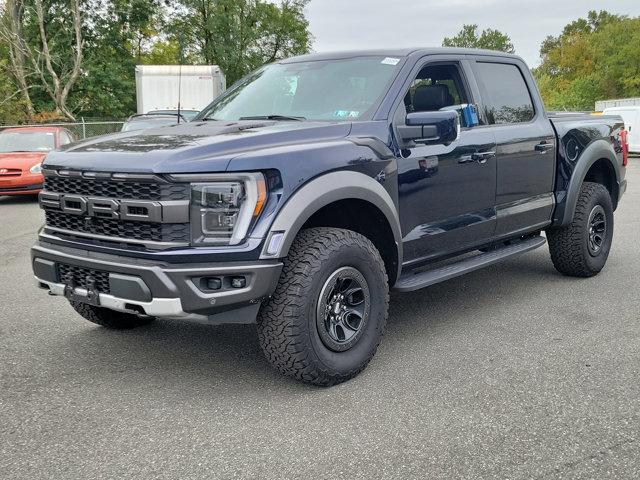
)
(21, 153)
(151, 120)
(188, 115)
(631, 118)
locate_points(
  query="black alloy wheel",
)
(343, 309)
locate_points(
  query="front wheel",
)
(327, 315)
(581, 248)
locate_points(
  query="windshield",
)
(27, 142)
(319, 90)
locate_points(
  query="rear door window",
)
(507, 98)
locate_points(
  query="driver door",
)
(447, 193)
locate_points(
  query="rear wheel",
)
(581, 248)
(110, 318)
(326, 318)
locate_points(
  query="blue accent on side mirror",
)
(470, 116)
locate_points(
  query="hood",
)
(190, 147)
(20, 160)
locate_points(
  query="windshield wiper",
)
(274, 117)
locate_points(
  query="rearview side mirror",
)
(430, 128)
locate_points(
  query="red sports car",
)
(21, 153)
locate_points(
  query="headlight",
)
(37, 168)
(222, 212)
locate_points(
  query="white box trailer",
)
(160, 87)
(620, 102)
(631, 118)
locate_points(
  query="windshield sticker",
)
(346, 114)
(390, 61)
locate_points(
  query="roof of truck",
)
(396, 52)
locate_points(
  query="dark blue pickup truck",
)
(313, 186)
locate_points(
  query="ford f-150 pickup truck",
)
(316, 184)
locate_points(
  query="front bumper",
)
(161, 289)
(26, 190)
(24, 184)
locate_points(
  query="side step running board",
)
(415, 281)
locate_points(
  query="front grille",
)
(143, 188)
(132, 190)
(77, 276)
(144, 231)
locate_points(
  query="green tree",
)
(592, 59)
(47, 39)
(11, 25)
(119, 35)
(489, 39)
(241, 35)
(164, 52)
(12, 103)
(76, 58)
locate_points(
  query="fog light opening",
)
(208, 284)
(214, 283)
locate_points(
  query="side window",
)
(508, 98)
(436, 87)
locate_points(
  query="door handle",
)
(543, 146)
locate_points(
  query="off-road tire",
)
(569, 245)
(288, 329)
(110, 318)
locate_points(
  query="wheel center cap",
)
(336, 308)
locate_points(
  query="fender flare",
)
(322, 191)
(566, 205)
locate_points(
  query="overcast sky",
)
(359, 24)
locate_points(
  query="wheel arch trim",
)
(322, 191)
(598, 150)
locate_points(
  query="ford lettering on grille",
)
(132, 210)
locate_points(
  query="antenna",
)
(179, 89)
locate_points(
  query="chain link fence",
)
(80, 130)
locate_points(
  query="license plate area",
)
(91, 297)
(81, 284)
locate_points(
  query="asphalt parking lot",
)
(511, 372)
